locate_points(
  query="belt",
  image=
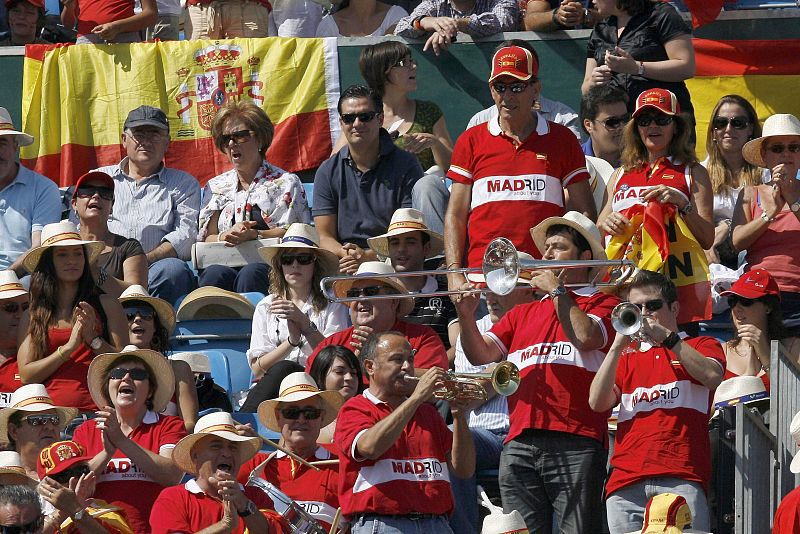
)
(413, 516)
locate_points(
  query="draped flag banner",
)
(76, 99)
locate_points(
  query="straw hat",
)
(61, 234)
(165, 312)
(197, 361)
(794, 430)
(738, 387)
(300, 235)
(220, 424)
(780, 124)
(11, 469)
(162, 375)
(370, 269)
(499, 523)
(296, 387)
(7, 128)
(10, 286)
(214, 303)
(403, 221)
(524, 276)
(32, 398)
(579, 222)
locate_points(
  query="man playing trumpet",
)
(553, 461)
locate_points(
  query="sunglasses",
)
(118, 373)
(294, 413)
(41, 420)
(302, 259)
(200, 378)
(350, 118)
(734, 300)
(28, 528)
(369, 291)
(779, 149)
(14, 307)
(661, 120)
(242, 136)
(515, 87)
(738, 123)
(613, 123)
(652, 305)
(406, 62)
(145, 313)
(88, 191)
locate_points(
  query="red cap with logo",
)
(97, 176)
(659, 99)
(753, 285)
(514, 61)
(35, 3)
(59, 457)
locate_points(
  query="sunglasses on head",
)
(366, 116)
(652, 305)
(514, 87)
(294, 413)
(14, 307)
(369, 291)
(88, 191)
(738, 123)
(40, 420)
(302, 259)
(794, 148)
(242, 136)
(118, 373)
(733, 300)
(660, 120)
(612, 123)
(28, 528)
(144, 312)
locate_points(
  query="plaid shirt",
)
(487, 17)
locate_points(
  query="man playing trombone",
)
(665, 388)
(554, 457)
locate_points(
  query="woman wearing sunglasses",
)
(151, 320)
(253, 200)
(765, 219)
(733, 123)
(659, 207)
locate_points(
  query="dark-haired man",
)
(357, 189)
(665, 388)
(604, 113)
(20, 510)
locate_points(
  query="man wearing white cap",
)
(13, 302)
(28, 200)
(554, 458)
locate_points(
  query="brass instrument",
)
(466, 386)
(626, 318)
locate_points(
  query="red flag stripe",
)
(737, 58)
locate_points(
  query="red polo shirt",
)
(9, 380)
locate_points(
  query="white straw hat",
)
(12, 470)
(405, 220)
(296, 387)
(164, 310)
(577, 221)
(61, 234)
(7, 128)
(300, 235)
(780, 124)
(794, 430)
(211, 302)
(369, 269)
(220, 424)
(10, 285)
(737, 388)
(33, 398)
(197, 361)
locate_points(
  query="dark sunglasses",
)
(612, 123)
(28, 528)
(779, 149)
(294, 413)
(41, 420)
(118, 373)
(200, 378)
(145, 313)
(738, 123)
(369, 291)
(14, 307)
(735, 299)
(406, 62)
(242, 136)
(88, 191)
(515, 87)
(644, 121)
(350, 118)
(74, 471)
(302, 259)
(652, 305)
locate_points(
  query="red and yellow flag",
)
(76, 98)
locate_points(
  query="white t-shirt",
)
(328, 28)
(294, 18)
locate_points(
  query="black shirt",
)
(436, 312)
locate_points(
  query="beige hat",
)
(524, 276)
(7, 128)
(10, 286)
(296, 387)
(160, 367)
(197, 361)
(794, 430)
(368, 270)
(578, 221)
(220, 424)
(300, 235)
(214, 303)
(12, 471)
(780, 124)
(403, 221)
(736, 389)
(61, 234)
(33, 398)
(164, 310)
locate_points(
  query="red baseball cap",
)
(107, 180)
(753, 285)
(59, 457)
(514, 61)
(35, 3)
(659, 99)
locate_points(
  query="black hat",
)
(147, 116)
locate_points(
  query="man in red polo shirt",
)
(665, 388)
(395, 450)
(554, 458)
(514, 171)
(13, 302)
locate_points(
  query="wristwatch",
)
(96, 343)
(687, 209)
(557, 292)
(80, 514)
(249, 510)
(640, 72)
(671, 340)
(795, 207)
(766, 218)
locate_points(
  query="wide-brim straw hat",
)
(220, 424)
(300, 235)
(12, 470)
(214, 303)
(780, 124)
(794, 430)
(577, 221)
(738, 387)
(7, 128)
(403, 221)
(10, 286)
(164, 310)
(297, 387)
(61, 234)
(32, 398)
(198, 362)
(163, 375)
(380, 272)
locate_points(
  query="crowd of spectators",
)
(117, 432)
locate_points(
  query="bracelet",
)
(418, 23)
(60, 351)
(258, 362)
(449, 265)
(671, 340)
(641, 68)
(554, 18)
(298, 345)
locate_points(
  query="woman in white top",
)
(359, 18)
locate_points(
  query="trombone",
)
(466, 386)
(501, 269)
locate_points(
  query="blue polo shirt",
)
(587, 147)
(26, 205)
(364, 202)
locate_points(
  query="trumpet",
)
(626, 318)
(466, 386)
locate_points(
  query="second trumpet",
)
(466, 386)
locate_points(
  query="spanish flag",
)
(76, 99)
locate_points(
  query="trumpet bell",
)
(505, 378)
(626, 318)
(501, 266)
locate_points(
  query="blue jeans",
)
(430, 196)
(466, 514)
(625, 507)
(170, 279)
(545, 473)
(384, 524)
(251, 277)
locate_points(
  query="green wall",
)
(11, 86)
